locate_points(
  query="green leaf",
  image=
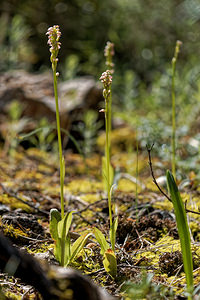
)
(104, 172)
(64, 225)
(183, 230)
(110, 262)
(57, 250)
(55, 217)
(113, 230)
(67, 251)
(101, 240)
(78, 245)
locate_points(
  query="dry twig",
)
(162, 192)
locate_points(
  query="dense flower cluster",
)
(109, 53)
(106, 79)
(176, 52)
(53, 41)
(109, 49)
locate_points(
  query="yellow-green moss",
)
(125, 185)
(91, 198)
(41, 248)
(165, 244)
(13, 233)
(13, 203)
(121, 139)
(12, 295)
(84, 186)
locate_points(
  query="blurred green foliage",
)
(144, 33)
(146, 289)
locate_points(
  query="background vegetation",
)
(144, 33)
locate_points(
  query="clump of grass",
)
(173, 143)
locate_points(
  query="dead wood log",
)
(52, 282)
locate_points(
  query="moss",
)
(13, 295)
(194, 227)
(15, 234)
(150, 185)
(163, 204)
(193, 203)
(39, 153)
(125, 185)
(13, 203)
(122, 138)
(123, 207)
(127, 162)
(168, 244)
(84, 186)
(40, 248)
(165, 244)
(87, 261)
(91, 198)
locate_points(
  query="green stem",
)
(136, 188)
(59, 144)
(173, 119)
(110, 66)
(107, 116)
(61, 162)
(110, 116)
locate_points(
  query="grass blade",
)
(101, 240)
(183, 230)
(78, 245)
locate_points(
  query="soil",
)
(147, 238)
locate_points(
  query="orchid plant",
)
(109, 257)
(60, 223)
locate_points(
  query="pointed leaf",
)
(64, 225)
(55, 217)
(67, 251)
(113, 230)
(57, 250)
(183, 229)
(101, 240)
(104, 172)
(110, 262)
(78, 245)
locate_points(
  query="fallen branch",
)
(156, 183)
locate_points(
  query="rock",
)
(35, 92)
